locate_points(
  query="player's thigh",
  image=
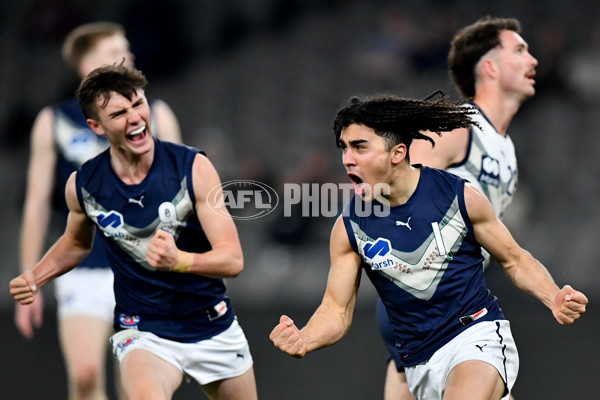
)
(84, 340)
(241, 387)
(396, 387)
(147, 376)
(475, 380)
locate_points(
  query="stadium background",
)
(256, 84)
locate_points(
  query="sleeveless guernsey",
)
(175, 306)
(425, 265)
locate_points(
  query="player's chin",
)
(530, 90)
(367, 197)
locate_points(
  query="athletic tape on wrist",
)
(184, 261)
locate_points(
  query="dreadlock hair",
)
(470, 44)
(102, 81)
(401, 120)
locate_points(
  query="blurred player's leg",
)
(84, 342)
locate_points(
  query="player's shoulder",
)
(173, 146)
(435, 180)
(438, 173)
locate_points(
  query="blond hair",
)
(84, 38)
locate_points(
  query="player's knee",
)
(86, 380)
(148, 395)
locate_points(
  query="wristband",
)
(184, 261)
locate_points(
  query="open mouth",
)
(531, 75)
(138, 134)
(358, 183)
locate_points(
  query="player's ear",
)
(489, 67)
(95, 126)
(399, 153)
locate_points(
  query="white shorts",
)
(86, 291)
(223, 356)
(489, 341)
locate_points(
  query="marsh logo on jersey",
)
(110, 223)
(490, 171)
(377, 253)
(129, 321)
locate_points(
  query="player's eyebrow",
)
(353, 143)
(356, 142)
(121, 111)
(116, 113)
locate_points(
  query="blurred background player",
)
(60, 142)
(489, 63)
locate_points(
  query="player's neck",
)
(404, 185)
(499, 110)
(131, 168)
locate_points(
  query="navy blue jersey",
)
(175, 306)
(425, 264)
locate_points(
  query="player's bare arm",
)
(225, 259)
(68, 251)
(36, 212)
(525, 271)
(40, 184)
(333, 317)
(450, 148)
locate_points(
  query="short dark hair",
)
(470, 44)
(84, 38)
(104, 80)
(401, 120)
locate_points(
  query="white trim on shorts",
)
(488, 341)
(86, 291)
(223, 356)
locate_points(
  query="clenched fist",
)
(24, 287)
(287, 337)
(569, 304)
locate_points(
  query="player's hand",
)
(287, 337)
(24, 287)
(28, 317)
(162, 251)
(569, 304)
